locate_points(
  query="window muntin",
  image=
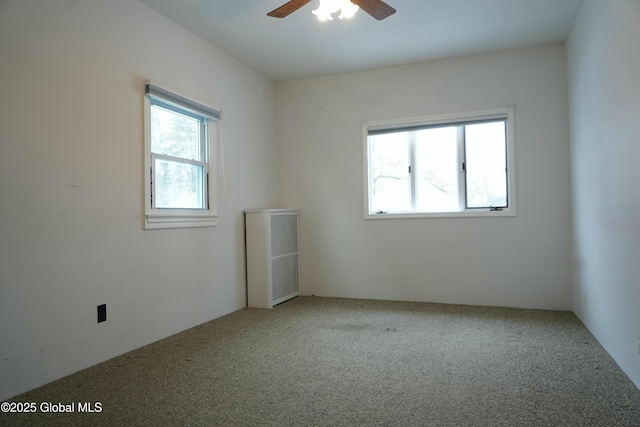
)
(455, 165)
(180, 136)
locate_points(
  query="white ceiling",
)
(300, 46)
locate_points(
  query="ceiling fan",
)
(376, 8)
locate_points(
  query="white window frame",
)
(162, 218)
(443, 120)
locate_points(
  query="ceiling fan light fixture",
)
(327, 8)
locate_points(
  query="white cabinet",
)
(272, 256)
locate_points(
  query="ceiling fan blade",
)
(376, 8)
(287, 8)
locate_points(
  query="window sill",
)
(153, 222)
(466, 214)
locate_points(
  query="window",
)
(180, 141)
(455, 165)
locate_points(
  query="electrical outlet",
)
(638, 345)
(102, 313)
(585, 298)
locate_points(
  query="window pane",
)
(486, 161)
(389, 185)
(437, 166)
(178, 185)
(175, 134)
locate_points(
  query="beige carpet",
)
(337, 362)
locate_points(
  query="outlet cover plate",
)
(102, 313)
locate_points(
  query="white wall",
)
(71, 196)
(521, 261)
(603, 69)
